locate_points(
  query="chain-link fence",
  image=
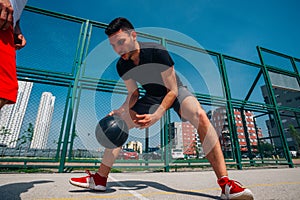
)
(68, 82)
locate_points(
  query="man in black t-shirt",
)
(150, 66)
(154, 62)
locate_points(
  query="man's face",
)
(123, 43)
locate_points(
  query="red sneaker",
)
(92, 181)
(234, 190)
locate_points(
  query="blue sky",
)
(232, 27)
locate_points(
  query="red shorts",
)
(8, 74)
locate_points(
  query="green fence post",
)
(73, 98)
(166, 129)
(231, 120)
(63, 123)
(250, 155)
(277, 117)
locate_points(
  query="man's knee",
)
(202, 117)
(198, 117)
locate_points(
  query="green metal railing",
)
(79, 94)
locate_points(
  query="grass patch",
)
(24, 170)
(113, 170)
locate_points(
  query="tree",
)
(295, 134)
(4, 132)
(26, 136)
(266, 148)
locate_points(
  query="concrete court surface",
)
(275, 183)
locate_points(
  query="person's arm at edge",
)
(20, 40)
(6, 14)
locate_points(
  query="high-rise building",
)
(250, 130)
(289, 98)
(11, 116)
(220, 122)
(43, 121)
(185, 136)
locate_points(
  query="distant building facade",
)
(43, 121)
(11, 116)
(185, 136)
(249, 132)
(288, 98)
(135, 145)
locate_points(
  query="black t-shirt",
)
(154, 59)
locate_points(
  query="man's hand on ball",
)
(145, 120)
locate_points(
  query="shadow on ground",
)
(14, 190)
(139, 185)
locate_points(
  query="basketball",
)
(111, 132)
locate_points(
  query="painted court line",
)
(134, 193)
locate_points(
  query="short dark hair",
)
(117, 24)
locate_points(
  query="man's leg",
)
(98, 181)
(110, 155)
(192, 111)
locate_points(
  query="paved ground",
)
(282, 183)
